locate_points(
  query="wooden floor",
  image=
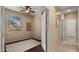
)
(36, 49)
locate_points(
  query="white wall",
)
(53, 31)
(17, 35)
(36, 27)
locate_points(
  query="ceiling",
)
(65, 9)
(37, 9)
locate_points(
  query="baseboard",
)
(17, 41)
(37, 39)
(22, 40)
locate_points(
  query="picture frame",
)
(28, 26)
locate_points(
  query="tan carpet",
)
(22, 46)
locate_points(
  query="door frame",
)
(2, 29)
(47, 27)
(46, 24)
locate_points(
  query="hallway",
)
(67, 26)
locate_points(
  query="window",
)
(14, 23)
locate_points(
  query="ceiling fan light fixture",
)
(27, 11)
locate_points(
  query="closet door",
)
(43, 31)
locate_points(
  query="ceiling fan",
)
(27, 9)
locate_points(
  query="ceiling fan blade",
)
(22, 10)
(33, 11)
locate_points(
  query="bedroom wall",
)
(17, 35)
(36, 27)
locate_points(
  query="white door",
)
(43, 31)
(71, 30)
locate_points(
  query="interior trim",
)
(36, 39)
